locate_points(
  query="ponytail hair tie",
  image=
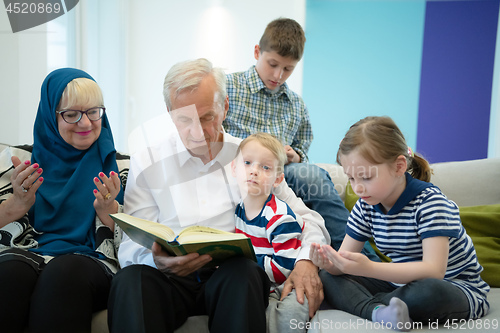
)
(410, 152)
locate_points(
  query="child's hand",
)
(347, 262)
(318, 257)
(291, 155)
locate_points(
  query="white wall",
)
(129, 46)
(89, 37)
(23, 66)
(162, 33)
(101, 40)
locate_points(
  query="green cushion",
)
(482, 224)
(350, 197)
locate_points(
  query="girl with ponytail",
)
(434, 273)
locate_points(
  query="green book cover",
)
(220, 245)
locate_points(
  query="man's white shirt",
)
(166, 184)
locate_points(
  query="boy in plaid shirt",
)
(261, 101)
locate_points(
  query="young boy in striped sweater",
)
(268, 221)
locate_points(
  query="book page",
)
(195, 234)
(154, 228)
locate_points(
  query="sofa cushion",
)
(483, 226)
(469, 183)
(350, 197)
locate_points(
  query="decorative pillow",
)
(483, 226)
(350, 197)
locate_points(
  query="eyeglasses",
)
(74, 116)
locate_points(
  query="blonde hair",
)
(285, 36)
(379, 140)
(81, 91)
(271, 143)
(187, 76)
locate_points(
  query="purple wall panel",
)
(457, 75)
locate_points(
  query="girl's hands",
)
(347, 262)
(318, 257)
(342, 262)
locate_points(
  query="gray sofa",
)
(469, 184)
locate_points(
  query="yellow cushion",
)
(483, 226)
(350, 197)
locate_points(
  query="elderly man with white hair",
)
(186, 180)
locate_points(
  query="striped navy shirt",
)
(254, 108)
(423, 211)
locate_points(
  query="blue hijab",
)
(63, 211)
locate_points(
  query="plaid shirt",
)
(254, 108)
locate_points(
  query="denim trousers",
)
(427, 299)
(315, 187)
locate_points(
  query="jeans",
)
(315, 187)
(427, 299)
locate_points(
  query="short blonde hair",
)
(81, 91)
(271, 143)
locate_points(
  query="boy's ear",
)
(279, 179)
(401, 165)
(256, 52)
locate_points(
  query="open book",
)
(219, 244)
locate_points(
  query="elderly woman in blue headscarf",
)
(58, 245)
